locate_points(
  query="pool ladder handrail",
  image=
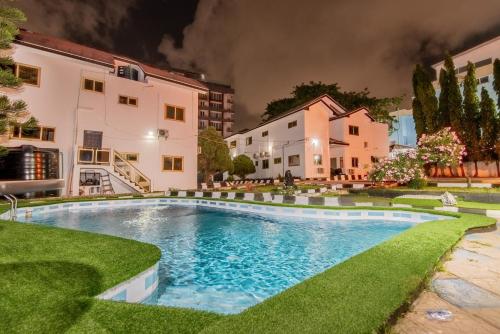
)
(13, 205)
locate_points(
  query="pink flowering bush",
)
(442, 148)
(403, 168)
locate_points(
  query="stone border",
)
(136, 289)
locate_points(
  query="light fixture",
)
(315, 141)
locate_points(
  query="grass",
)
(477, 205)
(356, 296)
(419, 202)
(450, 189)
(50, 275)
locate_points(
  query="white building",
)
(482, 56)
(313, 139)
(114, 122)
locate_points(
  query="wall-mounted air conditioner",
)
(255, 155)
(163, 133)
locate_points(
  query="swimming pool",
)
(228, 260)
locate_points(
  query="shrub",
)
(442, 148)
(242, 166)
(402, 168)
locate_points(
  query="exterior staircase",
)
(130, 173)
(107, 187)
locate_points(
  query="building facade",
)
(403, 128)
(216, 109)
(116, 125)
(313, 140)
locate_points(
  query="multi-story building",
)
(403, 133)
(482, 56)
(216, 108)
(106, 123)
(313, 140)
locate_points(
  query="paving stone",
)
(464, 294)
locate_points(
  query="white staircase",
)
(129, 173)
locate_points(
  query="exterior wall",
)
(317, 142)
(374, 134)
(404, 130)
(61, 102)
(220, 117)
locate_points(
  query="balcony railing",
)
(94, 156)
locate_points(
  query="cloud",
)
(264, 48)
(90, 20)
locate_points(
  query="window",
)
(131, 157)
(256, 163)
(174, 113)
(341, 162)
(248, 141)
(93, 85)
(292, 124)
(354, 162)
(131, 101)
(277, 161)
(294, 160)
(92, 139)
(366, 144)
(37, 133)
(374, 159)
(333, 163)
(318, 159)
(265, 164)
(28, 74)
(265, 133)
(353, 130)
(173, 164)
(483, 80)
(232, 144)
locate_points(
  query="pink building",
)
(313, 140)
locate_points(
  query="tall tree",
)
(454, 96)
(214, 156)
(489, 128)
(418, 118)
(425, 95)
(12, 113)
(379, 107)
(243, 166)
(496, 79)
(443, 109)
(470, 130)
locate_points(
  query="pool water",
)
(224, 260)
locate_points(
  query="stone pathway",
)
(465, 297)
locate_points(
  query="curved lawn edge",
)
(361, 294)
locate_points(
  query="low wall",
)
(485, 169)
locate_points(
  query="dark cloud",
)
(266, 47)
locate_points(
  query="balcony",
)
(202, 97)
(93, 156)
(203, 107)
(229, 111)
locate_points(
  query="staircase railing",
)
(127, 170)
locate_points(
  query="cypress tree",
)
(426, 96)
(418, 118)
(496, 79)
(489, 127)
(471, 133)
(443, 110)
(454, 96)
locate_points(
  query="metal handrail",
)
(130, 176)
(13, 205)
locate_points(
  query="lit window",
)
(232, 144)
(174, 113)
(173, 164)
(294, 160)
(248, 141)
(131, 101)
(318, 159)
(353, 130)
(354, 162)
(265, 164)
(265, 133)
(28, 74)
(93, 85)
(277, 161)
(131, 157)
(292, 124)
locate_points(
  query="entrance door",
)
(92, 139)
(333, 163)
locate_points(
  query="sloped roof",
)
(96, 56)
(347, 114)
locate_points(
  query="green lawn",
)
(477, 205)
(419, 202)
(451, 189)
(356, 296)
(48, 277)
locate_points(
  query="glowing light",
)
(315, 141)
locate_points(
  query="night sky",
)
(263, 48)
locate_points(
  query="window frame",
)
(93, 85)
(233, 144)
(355, 130)
(277, 161)
(20, 137)
(265, 164)
(176, 108)
(292, 124)
(294, 165)
(352, 162)
(320, 160)
(39, 73)
(173, 157)
(248, 141)
(126, 156)
(128, 101)
(265, 133)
